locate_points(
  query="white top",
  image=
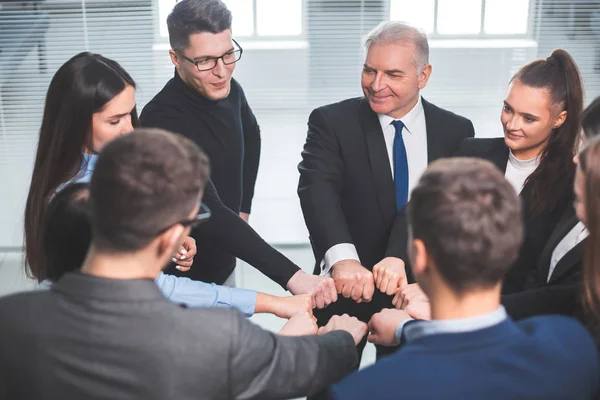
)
(414, 135)
(517, 171)
(572, 239)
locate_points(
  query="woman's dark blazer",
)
(537, 226)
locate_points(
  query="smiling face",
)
(114, 119)
(528, 118)
(390, 79)
(213, 84)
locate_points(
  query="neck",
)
(528, 154)
(446, 304)
(401, 113)
(135, 265)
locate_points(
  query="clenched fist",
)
(352, 280)
(390, 275)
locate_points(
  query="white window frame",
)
(163, 37)
(435, 35)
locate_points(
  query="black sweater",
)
(228, 132)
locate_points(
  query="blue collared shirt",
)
(184, 290)
(417, 329)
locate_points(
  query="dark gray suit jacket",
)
(92, 338)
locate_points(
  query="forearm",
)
(552, 299)
(238, 238)
(200, 294)
(270, 368)
(265, 303)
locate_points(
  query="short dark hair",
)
(469, 218)
(142, 183)
(67, 233)
(196, 16)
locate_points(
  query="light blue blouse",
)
(184, 290)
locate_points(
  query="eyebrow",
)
(201, 57)
(388, 71)
(122, 115)
(530, 116)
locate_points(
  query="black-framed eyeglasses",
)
(202, 216)
(208, 63)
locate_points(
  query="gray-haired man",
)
(361, 159)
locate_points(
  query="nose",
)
(576, 159)
(127, 126)
(511, 124)
(377, 83)
(220, 68)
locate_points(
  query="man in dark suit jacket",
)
(466, 232)
(108, 332)
(359, 162)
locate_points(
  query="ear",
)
(423, 77)
(170, 240)
(419, 258)
(562, 117)
(174, 58)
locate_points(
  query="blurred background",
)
(298, 55)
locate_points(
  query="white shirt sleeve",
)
(339, 252)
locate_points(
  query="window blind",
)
(298, 55)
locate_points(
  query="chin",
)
(219, 94)
(380, 108)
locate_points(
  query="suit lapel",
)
(574, 256)
(378, 158)
(498, 155)
(564, 226)
(435, 133)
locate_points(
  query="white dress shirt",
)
(414, 135)
(572, 239)
(517, 171)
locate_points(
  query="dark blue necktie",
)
(400, 167)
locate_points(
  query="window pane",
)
(279, 17)
(506, 16)
(243, 17)
(418, 13)
(459, 17)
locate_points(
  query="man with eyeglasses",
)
(204, 103)
(108, 332)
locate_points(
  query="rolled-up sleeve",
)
(202, 294)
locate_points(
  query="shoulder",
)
(479, 147)
(565, 336)
(236, 89)
(162, 102)
(341, 108)
(448, 116)
(384, 376)
(13, 307)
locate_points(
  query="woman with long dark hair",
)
(541, 120)
(78, 93)
(91, 100)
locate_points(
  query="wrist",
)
(265, 303)
(292, 281)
